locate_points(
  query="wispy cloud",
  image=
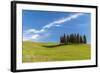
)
(35, 31)
(56, 23)
(62, 20)
(35, 36)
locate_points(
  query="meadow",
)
(44, 52)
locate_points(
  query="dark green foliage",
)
(68, 39)
(73, 39)
(84, 37)
(81, 41)
(77, 38)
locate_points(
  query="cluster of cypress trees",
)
(73, 39)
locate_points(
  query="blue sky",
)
(48, 26)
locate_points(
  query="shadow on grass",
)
(51, 46)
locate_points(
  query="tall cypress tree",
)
(85, 40)
(68, 39)
(81, 41)
(60, 39)
(72, 38)
(78, 38)
(75, 38)
(64, 37)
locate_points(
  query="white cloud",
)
(36, 36)
(56, 23)
(60, 21)
(35, 31)
(26, 38)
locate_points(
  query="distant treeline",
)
(73, 39)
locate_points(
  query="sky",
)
(48, 26)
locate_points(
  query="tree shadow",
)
(52, 46)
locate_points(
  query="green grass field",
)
(43, 52)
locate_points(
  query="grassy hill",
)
(42, 52)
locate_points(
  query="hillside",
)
(42, 52)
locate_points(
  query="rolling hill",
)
(43, 52)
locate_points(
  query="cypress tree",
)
(64, 37)
(68, 39)
(72, 38)
(63, 40)
(77, 38)
(60, 39)
(81, 39)
(84, 37)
